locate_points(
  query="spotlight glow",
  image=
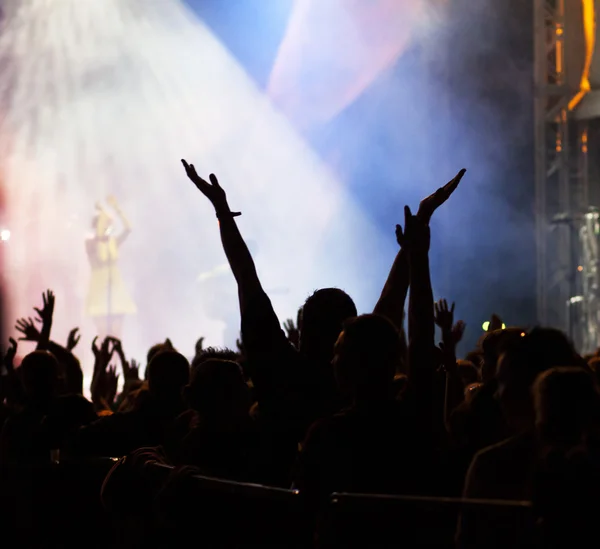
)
(105, 97)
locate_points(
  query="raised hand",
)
(458, 331)
(8, 359)
(133, 371)
(27, 327)
(117, 345)
(199, 346)
(428, 205)
(240, 346)
(46, 313)
(444, 316)
(292, 332)
(213, 191)
(102, 354)
(416, 235)
(111, 381)
(73, 339)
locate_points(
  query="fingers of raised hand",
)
(399, 235)
(450, 187)
(213, 179)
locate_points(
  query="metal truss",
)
(561, 185)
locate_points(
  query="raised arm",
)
(237, 252)
(421, 318)
(422, 357)
(393, 296)
(421, 327)
(112, 200)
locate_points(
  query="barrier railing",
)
(59, 505)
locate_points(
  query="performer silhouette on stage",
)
(108, 301)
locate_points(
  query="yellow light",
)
(589, 30)
(486, 326)
(580, 268)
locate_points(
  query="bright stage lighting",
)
(105, 97)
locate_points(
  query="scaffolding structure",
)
(568, 287)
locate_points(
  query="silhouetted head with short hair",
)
(567, 406)
(168, 373)
(493, 345)
(522, 361)
(367, 353)
(322, 319)
(154, 350)
(39, 373)
(218, 392)
(214, 353)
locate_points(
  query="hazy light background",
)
(321, 119)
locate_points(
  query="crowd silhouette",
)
(332, 430)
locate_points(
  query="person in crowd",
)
(295, 387)
(567, 478)
(331, 402)
(146, 425)
(222, 441)
(505, 471)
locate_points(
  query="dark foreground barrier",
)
(156, 507)
(184, 506)
(376, 521)
(54, 505)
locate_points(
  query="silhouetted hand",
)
(428, 205)
(46, 313)
(27, 327)
(416, 235)
(213, 191)
(133, 372)
(117, 345)
(112, 381)
(199, 346)
(73, 339)
(8, 359)
(444, 316)
(102, 355)
(292, 332)
(240, 346)
(458, 331)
